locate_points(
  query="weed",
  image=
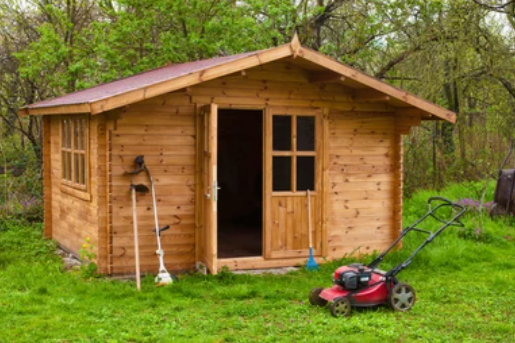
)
(88, 269)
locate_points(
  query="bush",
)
(20, 182)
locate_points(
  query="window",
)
(294, 153)
(74, 137)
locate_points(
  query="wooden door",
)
(293, 164)
(209, 253)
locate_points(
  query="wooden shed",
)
(265, 127)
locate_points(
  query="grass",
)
(464, 282)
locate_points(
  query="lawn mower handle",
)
(445, 202)
(454, 221)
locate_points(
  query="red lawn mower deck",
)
(357, 285)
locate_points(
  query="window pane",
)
(281, 133)
(82, 134)
(68, 134)
(76, 168)
(69, 166)
(76, 127)
(64, 166)
(305, 133)
(63, 134)
(281, 176)
(82, 163)
(305, 173)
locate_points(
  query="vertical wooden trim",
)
(199, 167)
(110, 126)
(101, 193)
(324, 194)
(267, 182)
(47, 173)
(397, 196)
(210, 251)
(72, 155)
(87, 153)
(213, 153)
(294, 153)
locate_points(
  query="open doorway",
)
(240, 177)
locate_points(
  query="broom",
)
(311, 264)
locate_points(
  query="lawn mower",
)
(357, 285)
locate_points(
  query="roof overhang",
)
(293, 49)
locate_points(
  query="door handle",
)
(215, 190)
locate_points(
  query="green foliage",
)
(89, 268)
(464, 289)
(20, 183)
(475, 234)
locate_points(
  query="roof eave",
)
(56, 110)
(153, 90)
(379, 85)
(291, 49)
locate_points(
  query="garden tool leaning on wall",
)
(134, 190)
(163, 277)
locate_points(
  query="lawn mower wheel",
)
(314, 297)
(341, 307)
(401, 297)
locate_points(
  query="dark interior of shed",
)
(240, 177)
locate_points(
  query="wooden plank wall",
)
(362, 169)
(73, 218)
(362, 181)
(163, 130)
(361, 193)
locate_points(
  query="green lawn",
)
(465, 287)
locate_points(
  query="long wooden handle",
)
(136, 242)
(310, 233)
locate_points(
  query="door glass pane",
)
(281, 133)
(281, 175)
(305, 173)
(305, 133)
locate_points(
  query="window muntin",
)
(293, 153)
(74, 137)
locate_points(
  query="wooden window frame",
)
(294, 153)
(73, 186)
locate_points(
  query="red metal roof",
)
(137, 81)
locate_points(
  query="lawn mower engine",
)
(352, 277)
